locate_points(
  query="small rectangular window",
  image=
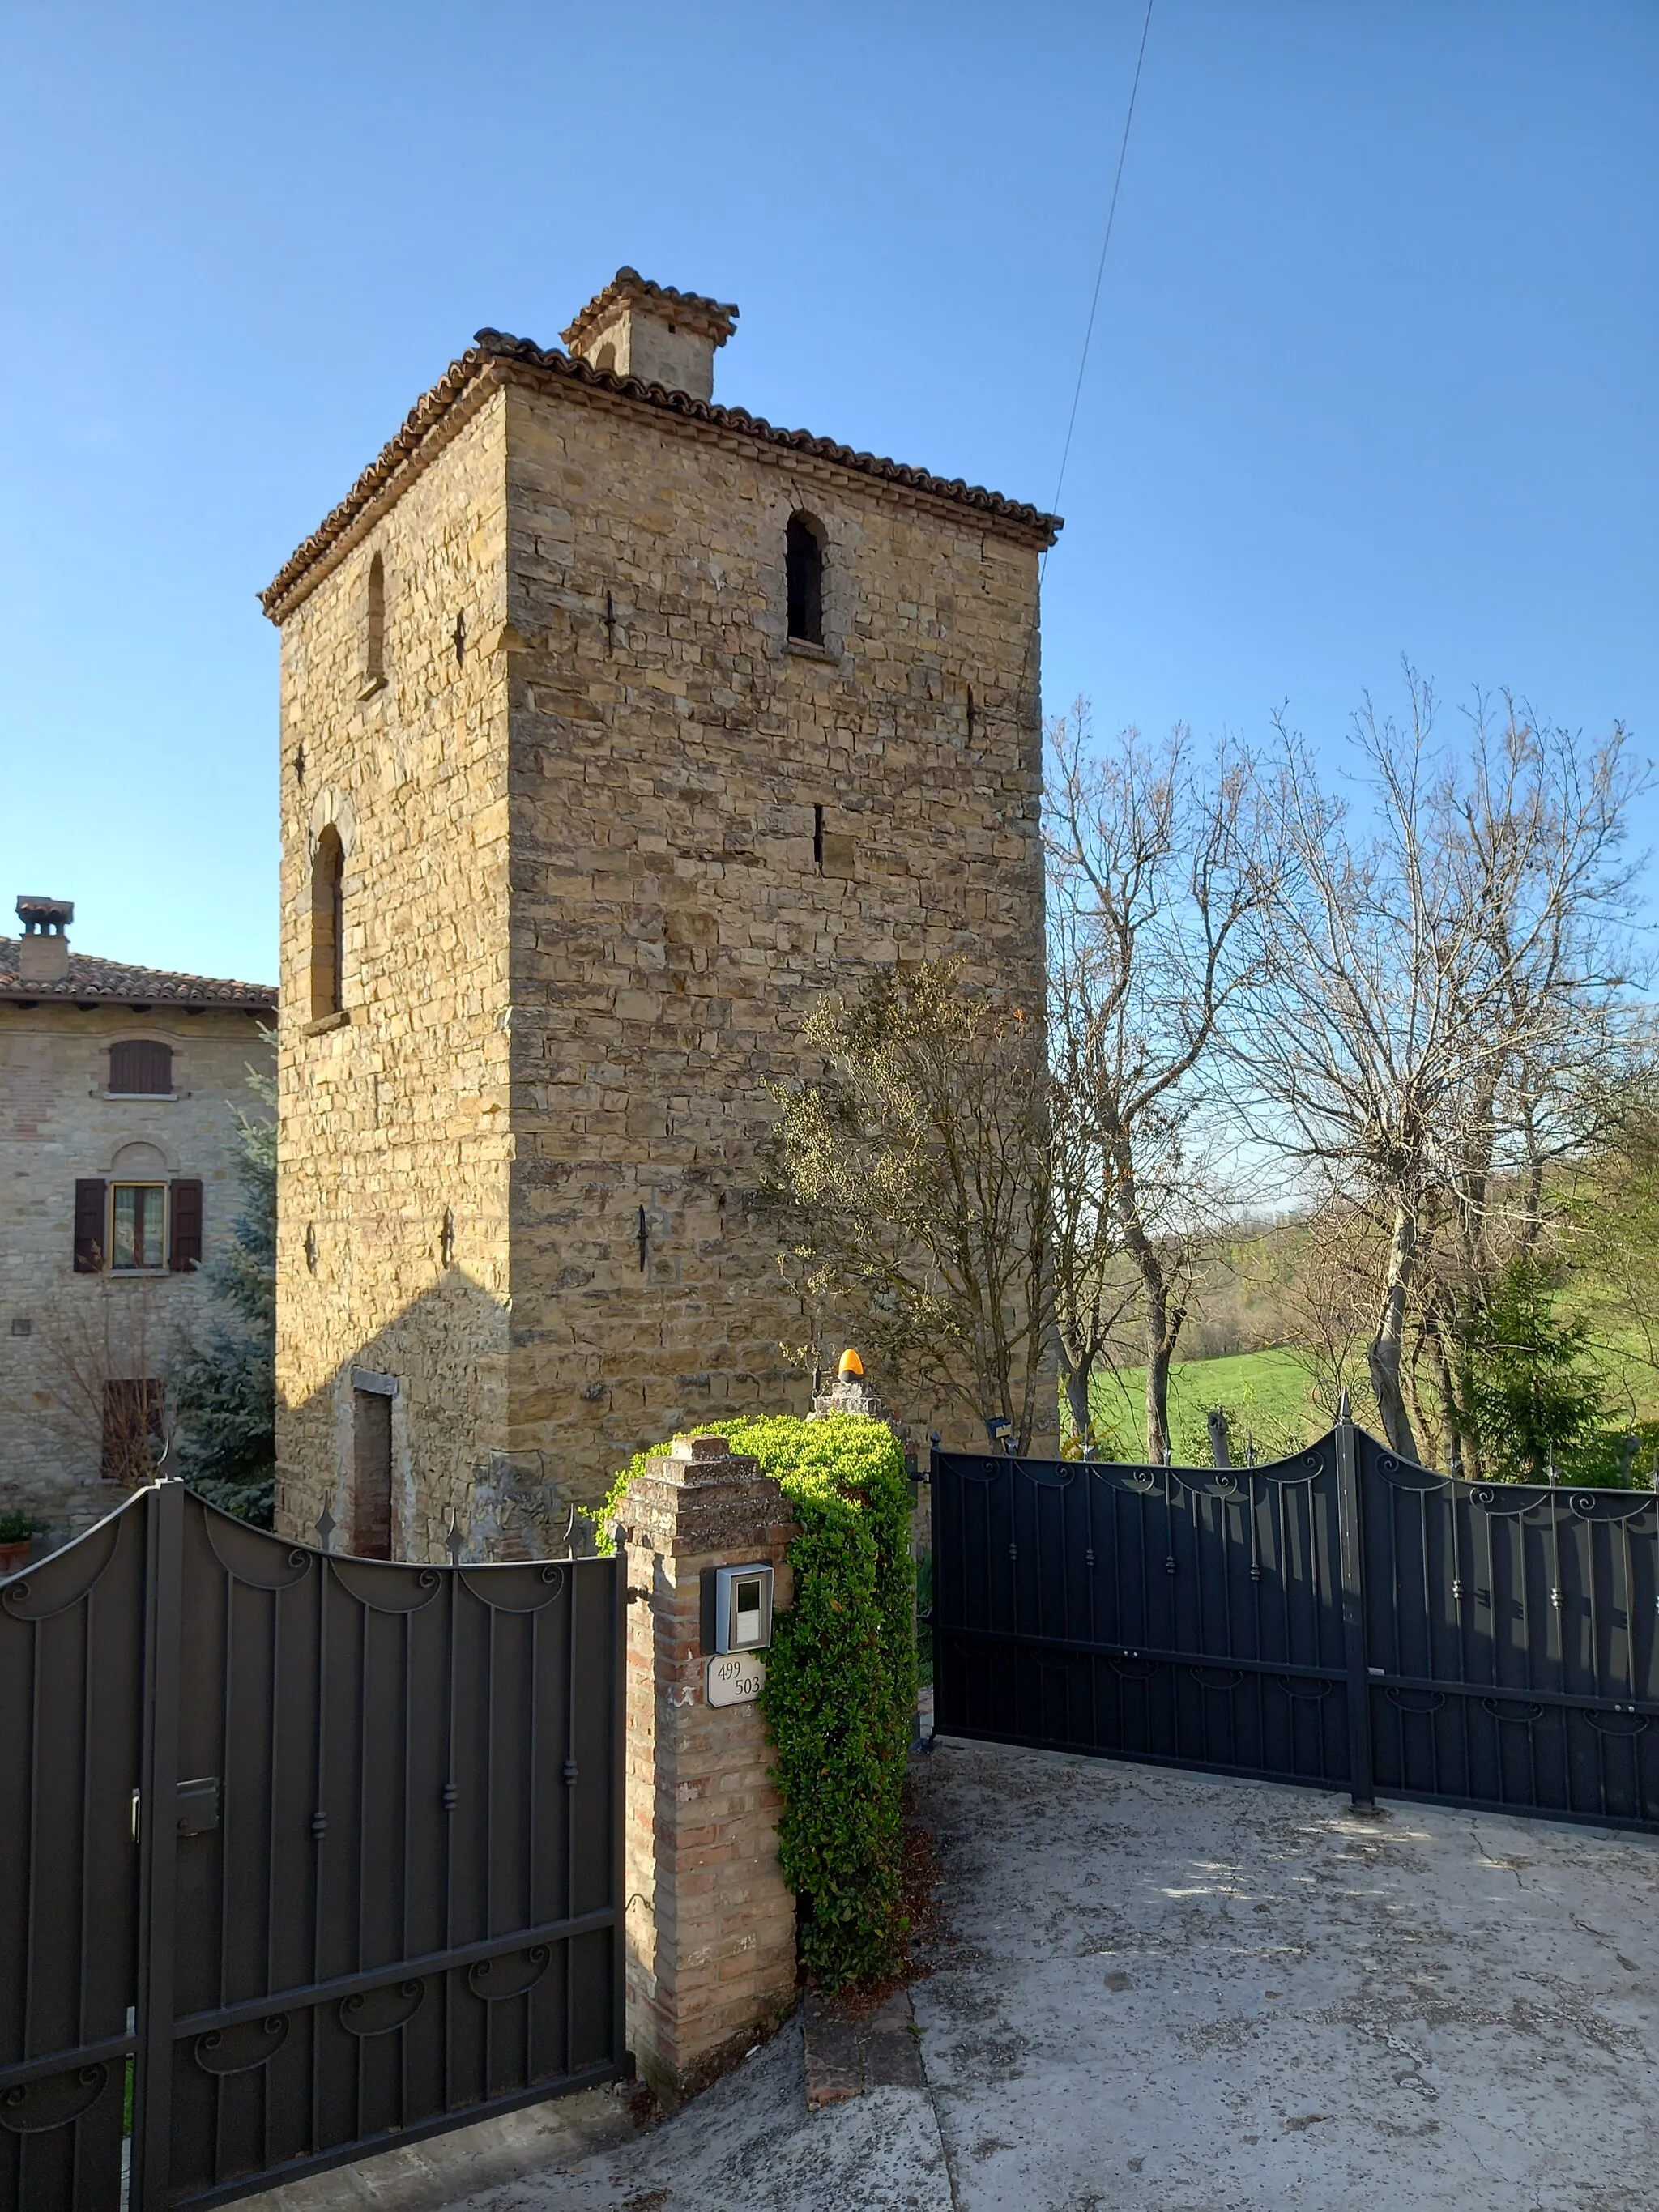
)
(141, 1068)
(137, 1224)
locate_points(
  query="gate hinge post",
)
(1351, 1558)
(152, 2101)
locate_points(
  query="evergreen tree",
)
(1531, 1395)
(226, 1377)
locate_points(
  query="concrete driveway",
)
(1168, 1991)
(1165, 1992)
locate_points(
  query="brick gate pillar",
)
(710, 1925)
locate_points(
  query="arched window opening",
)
(328, 926)
(139, 1068)
(804, 567)
(606, 360)
(375, 626)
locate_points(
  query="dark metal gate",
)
(1342, 1618)
(311, 1854)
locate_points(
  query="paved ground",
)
(746, 2145)
(1177, 1992)
(1170, 1993)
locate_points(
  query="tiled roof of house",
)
(93, 981)
(712, 318)
(496, 359)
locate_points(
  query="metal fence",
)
(300, 1855)
(1343, 1618)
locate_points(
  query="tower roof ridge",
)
(496, 358)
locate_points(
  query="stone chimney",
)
(635, 328)
(43, 956)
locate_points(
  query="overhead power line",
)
(1100, 271)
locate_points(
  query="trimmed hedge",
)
(840, 1680)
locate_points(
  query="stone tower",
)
(617, 727)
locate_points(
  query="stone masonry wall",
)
(671, 926)
(598, 870)
(399, 1117)
(62, 1335)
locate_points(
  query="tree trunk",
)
(1162, 1320)
(1163, 1328)
(1075, 1382)
(1451, 1454)
(1386, 1346)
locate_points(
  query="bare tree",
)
(1446, 973)
(1094, 1288)
(909, 1180)
(1331, 1301)
(110, 1353)
(1159, 863)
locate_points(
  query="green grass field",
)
(1265, 1392)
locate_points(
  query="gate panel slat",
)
(1102, 1609)
(1196, 1617)
(414, 1762)
(71, 1692)
(1511, 1643)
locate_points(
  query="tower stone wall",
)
(396, 1114)
(601, 867)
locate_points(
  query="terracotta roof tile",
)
(712, 318)
(496, 359)
(93, 980)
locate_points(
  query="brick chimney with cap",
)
(43, 956)
(636, 328)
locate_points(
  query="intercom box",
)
(736, 1609)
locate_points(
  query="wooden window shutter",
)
(90, 1194)
(186, 1223)
(140, 1067)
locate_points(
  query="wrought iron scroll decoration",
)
(296, 1555)
(552, 1576)
(238, 2059)
(539, 1956)
(360, 2016)
(377, 1576)
(16, 1595)
(53, 2111)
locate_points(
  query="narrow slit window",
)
(817, 839)
(375, 626)
(328, 926)
(804, 569)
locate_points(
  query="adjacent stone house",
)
(117, 1182)
(617, 728)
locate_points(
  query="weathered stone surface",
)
(586, 917)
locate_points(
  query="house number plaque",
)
(736, 1678)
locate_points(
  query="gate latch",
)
(199, 1805)
(198, 1808)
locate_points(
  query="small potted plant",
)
(17, 1530)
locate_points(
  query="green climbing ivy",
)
(840, 1680)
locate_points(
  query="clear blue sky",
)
(1377, 368)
